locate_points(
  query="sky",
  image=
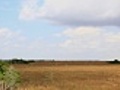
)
(60, 29)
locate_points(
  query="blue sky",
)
(69, 29)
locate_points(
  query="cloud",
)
(96, 35)
(82, 12)
(28, 10)
(13, 44)
(91, 42)
(10, 39)
(74, 12)
(74, 43)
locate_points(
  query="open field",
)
(37, 76)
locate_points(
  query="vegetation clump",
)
(116, 61)
(20, 61)
(9, 77)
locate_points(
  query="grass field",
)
(38, 76)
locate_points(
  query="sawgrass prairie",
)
(37, 76)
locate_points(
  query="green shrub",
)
(9, 77)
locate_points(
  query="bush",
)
(9, 77)
(20, 61)
(116, 61)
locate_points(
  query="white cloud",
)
(91, 40)
(76, 43)
(81, 31)
(28, 10)
(94, 36)
(74, 12)
(10, 39)
(82, 12)
(13, 44)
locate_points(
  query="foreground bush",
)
(9, 77)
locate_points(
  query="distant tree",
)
(21, 61)
(18, 61)
(116, 61)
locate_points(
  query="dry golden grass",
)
(69, 77)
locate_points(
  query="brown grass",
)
(69, 77)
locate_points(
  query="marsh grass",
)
(82, 77)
